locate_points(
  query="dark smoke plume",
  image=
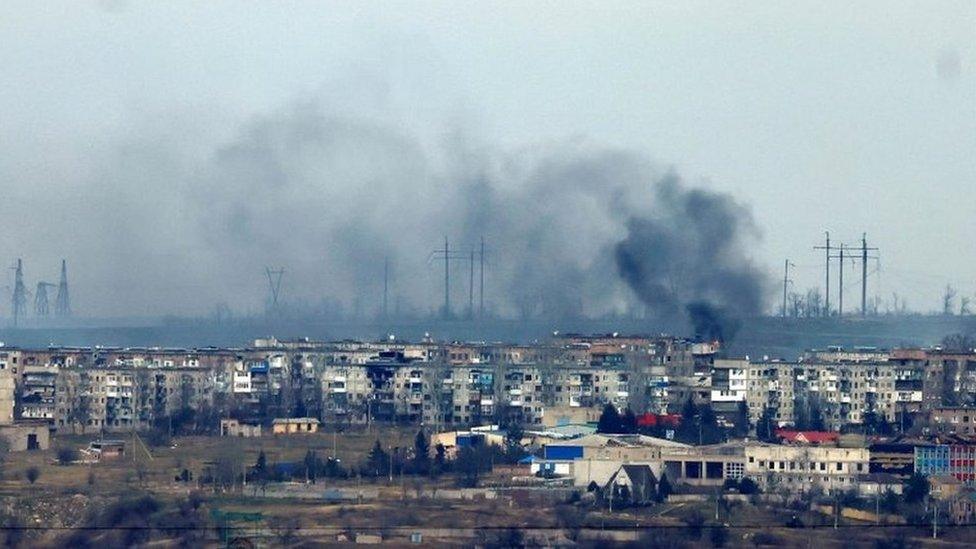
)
(177, 219)
(689, 258)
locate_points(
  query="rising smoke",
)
(573, 229)
(688, 257)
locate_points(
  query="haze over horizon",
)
(171, 152)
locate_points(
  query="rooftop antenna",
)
(62, 306)
(19, 305)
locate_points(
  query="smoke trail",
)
(178, 225)
(689, 258)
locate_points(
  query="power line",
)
(786, 283)
(447, 255)
(62, 306)
(19, 298)
(274, 284)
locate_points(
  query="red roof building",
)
(807, 437)
(653, 420)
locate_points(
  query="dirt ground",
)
(64, 495)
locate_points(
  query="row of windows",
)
(836, 466)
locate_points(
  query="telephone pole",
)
(447, 255)
(864, 273)
(447, 281)
(786, 283)
(840, 296)
(386, 285)
(827, 248)
(471, 288)
(481, 292)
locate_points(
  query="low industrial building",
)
(26, 435)
(705, 465)
(234, 428)
(292, 425)
(956, 460)
(799, 468)
(453, 441)
(105, 449)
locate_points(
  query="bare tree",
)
(815, 303)
(795, 306)
(964, 302)
(948, 300)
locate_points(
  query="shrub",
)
(719, 536)
(67, 455)
(32, 474)
(748, 486)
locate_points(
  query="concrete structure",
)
(955, 460)
(638, 482)
(798, 468)
(293, 425)
(955, 420)
(234, 428)
(705, 465)
(878, 484)
(26, 435)
(106, 449)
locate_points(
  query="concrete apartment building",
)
(462, 384)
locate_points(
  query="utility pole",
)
(386, 285)
(19, 308)
(447, 255)
(41, 308)
(481, 293)
(274, 284)
(786, 283)
(447, 280)
(840, 296)
(471, 288)
(62, 306)
(864, 273)
(827, 256)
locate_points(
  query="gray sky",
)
(817, 115)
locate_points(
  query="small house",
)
(637, 481)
